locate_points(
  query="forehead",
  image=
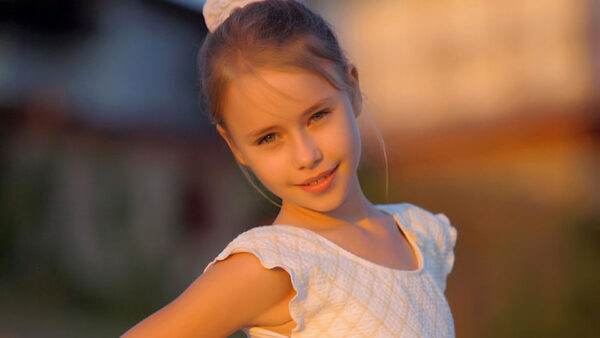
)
(271, 95)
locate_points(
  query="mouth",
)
(320, 182)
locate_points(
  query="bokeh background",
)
(115, 190)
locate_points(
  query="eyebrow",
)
(307, 111)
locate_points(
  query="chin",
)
(322, 207)
(324, 203)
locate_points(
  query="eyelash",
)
(321, 115)
(264, 139)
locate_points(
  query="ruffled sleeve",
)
(276, 247)
(446, 245)
(438, 237)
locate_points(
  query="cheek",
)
(345, 140)
(269, 168)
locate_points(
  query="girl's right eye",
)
(270, 138)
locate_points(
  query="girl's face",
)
(297, 133)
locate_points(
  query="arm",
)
(228, 296)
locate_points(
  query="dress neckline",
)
(416, 250)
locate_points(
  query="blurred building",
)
(425, 64)
(115, 189)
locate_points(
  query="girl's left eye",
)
(318, 116)
(270, 138)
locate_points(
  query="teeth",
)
(319, 180)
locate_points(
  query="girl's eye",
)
(270, 138)
(317, 116)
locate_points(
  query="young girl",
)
(332, 264)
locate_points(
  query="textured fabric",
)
(340, 294)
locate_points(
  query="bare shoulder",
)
(231, 294)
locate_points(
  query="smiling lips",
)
(320, 182)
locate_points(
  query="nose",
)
(307, 154)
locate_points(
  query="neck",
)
(356, 210)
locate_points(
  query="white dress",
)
(340, 294)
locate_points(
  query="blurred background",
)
(115, 190)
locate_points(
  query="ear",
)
(234, 150)
(355, 95)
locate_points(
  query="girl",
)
(332, 264)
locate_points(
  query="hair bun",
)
(217, 11)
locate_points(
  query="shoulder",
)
(433, 233)
(280, 258)
(288, 248)
(247, 265)
(238, 290)
(273, 246)
(246, 278)
(426, 224)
